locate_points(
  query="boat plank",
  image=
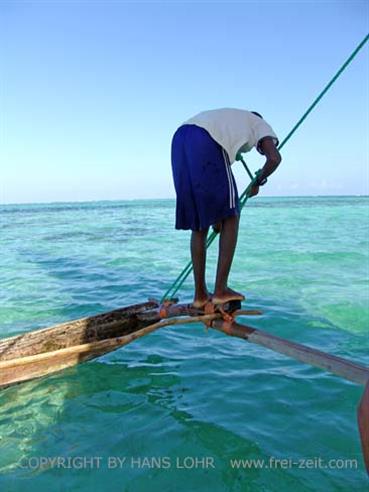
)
(75, 332)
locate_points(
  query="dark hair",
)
(257, 114)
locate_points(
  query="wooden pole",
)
(354, 372)
(363, 421)
(346, 369)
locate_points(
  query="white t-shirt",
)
(236, 130)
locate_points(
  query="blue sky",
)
(91, 92)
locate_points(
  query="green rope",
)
(173, 289)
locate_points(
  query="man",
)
(203, 149)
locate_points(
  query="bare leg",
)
(198, 255)
(227, 246)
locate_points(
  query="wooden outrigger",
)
(48, 350)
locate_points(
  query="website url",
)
(302, 463)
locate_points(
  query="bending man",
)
(203, 149)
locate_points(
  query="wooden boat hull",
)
(48, 350)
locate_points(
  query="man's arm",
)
(273, 157)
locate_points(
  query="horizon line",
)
(173, 198)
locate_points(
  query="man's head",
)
(257, 114)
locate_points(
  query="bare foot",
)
(226, 296)
(199, 302)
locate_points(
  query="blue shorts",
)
(205, 187)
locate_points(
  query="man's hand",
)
(254, 191)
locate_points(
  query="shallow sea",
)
(183, 393)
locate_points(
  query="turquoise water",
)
(184, 392)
